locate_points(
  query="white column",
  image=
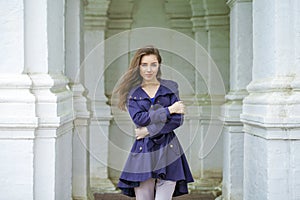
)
(45, 62)
(74, 57)
(118, 52)
(94, 69)
(240, 68)
(17, 104)
(211, 29)
(271, 110)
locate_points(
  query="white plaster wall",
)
(233, 164)
(63, 166)
(255, 174)
(74, 39)
(149, 14)
(53, 143)
(36, 56)
(17, 116)
(275, 19)
(174, 66)
(204, 155)
(11, 36)
(94, 63)
(74, 54)
(16, 169)
(263, 40)
(80, 161)
(271, 145)
(44, 36)
(219, 52)
(240, 77)
(294, 150)
(56, 35)
(271, 169)
(241, 45)
(121, 138)
(296, 22)
(44, 183)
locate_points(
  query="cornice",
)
(207, 22)
(231, 3)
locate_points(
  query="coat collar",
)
(166, 87)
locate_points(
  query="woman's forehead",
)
(149, 58)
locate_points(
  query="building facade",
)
(237, 64)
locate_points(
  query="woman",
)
(156, 167)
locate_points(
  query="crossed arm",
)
(176, 108)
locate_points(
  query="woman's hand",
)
(141, 133)
(177, 107)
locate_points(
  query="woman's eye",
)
(151, 65)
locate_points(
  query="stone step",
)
(184, 197)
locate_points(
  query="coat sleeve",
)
(172, 122)
(138, 116)
(144, 118)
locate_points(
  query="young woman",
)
(156, 167)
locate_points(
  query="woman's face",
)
(149, 67)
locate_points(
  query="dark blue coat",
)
(159, 155)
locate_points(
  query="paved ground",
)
(184, 197)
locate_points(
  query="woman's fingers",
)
(141, 132)
(180, 107)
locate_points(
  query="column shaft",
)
(17, 104)
(44, 63)
(94, 70)
(271, 110)
(75, 72)
(240, 68)
(211, 30)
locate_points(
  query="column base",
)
(80, 198)
(101, 186)
(206, 186)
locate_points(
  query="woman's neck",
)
(150, 83)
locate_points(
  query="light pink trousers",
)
(163, 190)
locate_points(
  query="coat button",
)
(171, 145)
(141, 148)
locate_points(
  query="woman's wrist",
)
(171, 111)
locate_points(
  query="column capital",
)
(217, 21)
(179, 13)
(199, 23)
(232, 109)
(206, 15)
(95, 14)
(119, 17)
(231, 3)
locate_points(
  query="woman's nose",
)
(148, 68)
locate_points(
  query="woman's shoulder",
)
(169, 83)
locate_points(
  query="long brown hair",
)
(132, 77)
